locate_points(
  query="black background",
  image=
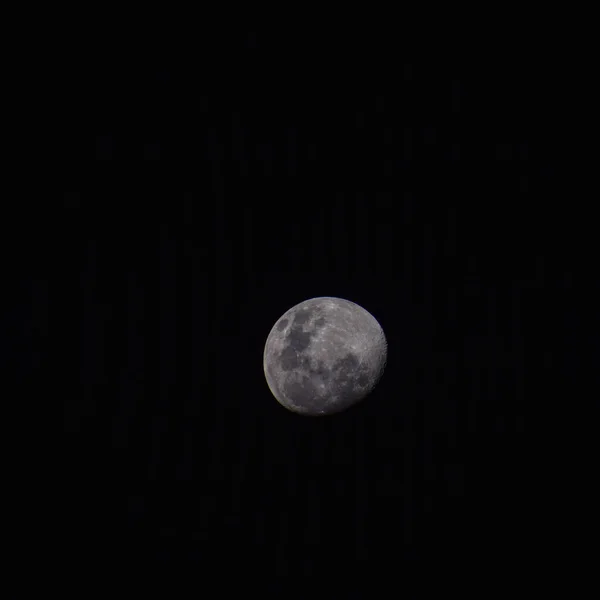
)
(209, 187)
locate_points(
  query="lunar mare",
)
(324, 355)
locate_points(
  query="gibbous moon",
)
(324, 355)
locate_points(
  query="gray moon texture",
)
(323, 356)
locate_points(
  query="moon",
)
(323, 356)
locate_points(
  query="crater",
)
(282, 324)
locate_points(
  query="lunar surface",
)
(324, 355)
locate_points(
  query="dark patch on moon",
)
(289, 359)
(298, 339)
(302, 316)
(301, 393)
(363, 380)
(320, 322)
(348, 375)
(320, 370)
(297, 342)
(347, 364)
(282, 324)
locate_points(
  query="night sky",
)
(208, 187)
